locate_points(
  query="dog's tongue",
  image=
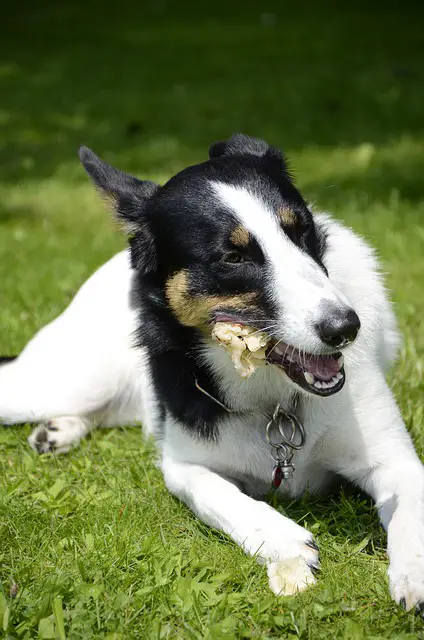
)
(321, 367)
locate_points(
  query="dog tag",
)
(277, 476)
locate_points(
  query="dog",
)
(231, 240)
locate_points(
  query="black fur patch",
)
(175, 363)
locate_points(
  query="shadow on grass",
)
(153, 84)
(347, 515)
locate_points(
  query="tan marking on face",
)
(287, 217)
(195, 311)
(240, 236)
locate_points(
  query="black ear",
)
(129, 197)
(127, 194)
(240, 145)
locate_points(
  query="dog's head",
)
(232, 239)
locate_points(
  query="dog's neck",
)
(261, 392)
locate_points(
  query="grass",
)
(91, 544)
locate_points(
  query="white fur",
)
(82, 370)
(82, 363)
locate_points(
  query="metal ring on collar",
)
(296, 426)
(282, 455)
(272, 423)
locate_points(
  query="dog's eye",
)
(234, 257)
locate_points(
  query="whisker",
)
(285, 353)
(275, 345)
(272, 334)
(264, 329)
(249, 355)
(251, 319)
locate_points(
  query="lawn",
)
(91, 544)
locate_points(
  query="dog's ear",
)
(240, 145)
(127, 194)
(129, 197)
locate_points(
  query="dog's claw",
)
(314, 567)
(402, 603)
(312, 544)
(420, 609)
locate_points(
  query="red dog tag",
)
(277, 476)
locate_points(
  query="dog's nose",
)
(339, 327)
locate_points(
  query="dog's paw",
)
(407, 584)
(288, 549)
(58, 435)
(276, 537)
(288, 577)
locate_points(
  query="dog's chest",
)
(251, 458)
(242, 452)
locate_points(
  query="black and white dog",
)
(232, 239)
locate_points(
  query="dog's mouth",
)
(322, 375)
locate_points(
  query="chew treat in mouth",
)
(322, 375)
(247, 346)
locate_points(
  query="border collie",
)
(232, 240)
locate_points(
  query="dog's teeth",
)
(339, 376)
(309, 377)
(279, 350)
(318, 384)
(340, 361)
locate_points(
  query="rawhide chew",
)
(246, 345)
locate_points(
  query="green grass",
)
(91, 544)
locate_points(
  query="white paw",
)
(59, 434)
(288, 577)
(407, 583)
(275, 537)
(288, 549)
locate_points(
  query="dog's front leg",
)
(288, 549)
(376, 452)
(399, 493)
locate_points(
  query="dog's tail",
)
(11, 393)
(6, 359)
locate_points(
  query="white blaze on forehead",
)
(255, 216)
(285, 257)
(297, 285)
